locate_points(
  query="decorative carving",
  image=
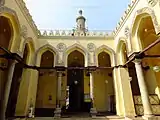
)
(127, 32)
(152, 3)
(126, 13)
(24, 31)
(61, 47)
(91, 47)
(11, 12)
(26, 13)
(151, 13)
(70, 33)
(154, 101)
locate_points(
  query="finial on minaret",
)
(80, 12)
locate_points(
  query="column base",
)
(57, 113)
(93, 112)
(149, 117)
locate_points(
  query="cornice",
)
(126, 15)
(28, 16)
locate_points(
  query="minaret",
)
(81, 23)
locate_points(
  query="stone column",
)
(93, 110)
(7, 89)
(59, 82)
(143, 89)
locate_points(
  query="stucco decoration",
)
(110, 51)
(4, 9)
(61, 47)
(142, 13)
(24, 31)
(43, 49)
(152, 3)
(91, 47)
(78, 47)
(2, 2)
(127, 32)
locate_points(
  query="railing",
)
(93, 33)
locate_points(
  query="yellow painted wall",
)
(47, 86)
(102, 90)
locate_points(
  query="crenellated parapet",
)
(125, 15)
(74, 33)
(28, 16)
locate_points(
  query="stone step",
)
(89, 118)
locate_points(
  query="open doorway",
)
(75, 83)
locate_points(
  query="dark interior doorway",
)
(75, 81)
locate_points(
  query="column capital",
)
(137, 61)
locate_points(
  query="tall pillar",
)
(23, 95)
(93, 110)
(125, 97)
(143, 89)
(58, 106)
(7, 89)
(117, 92)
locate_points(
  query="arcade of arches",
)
(50, 87)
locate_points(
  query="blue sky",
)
(61, 14)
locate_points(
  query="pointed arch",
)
(15, 25)
(108, 50)
(122, 40)
(29, 41)
(139, 15)
(119, 51)
(41, 50)
(79, 48)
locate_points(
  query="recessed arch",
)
(31, 50)
(121, 52)
(15, 24)
(43, 49)
(109, 51)
(140, 16)
(79, 48)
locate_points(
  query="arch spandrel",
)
(139, 16)
(15, 25)
(79, 48)
(109, 51)
(43, 49)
